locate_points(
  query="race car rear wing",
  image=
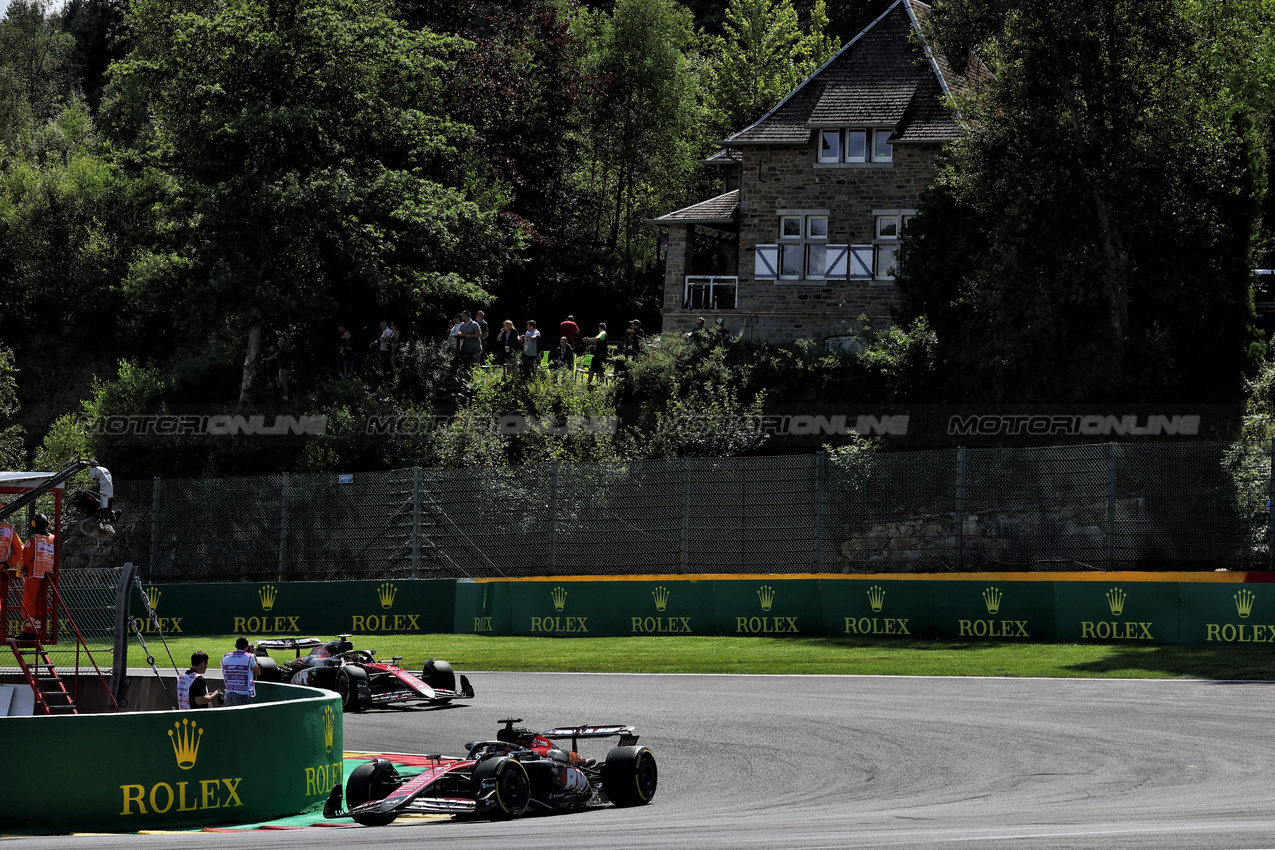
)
(626, 734)
(297, 644)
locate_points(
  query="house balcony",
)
(710, 292)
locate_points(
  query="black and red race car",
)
(357, 676)
(521, 772)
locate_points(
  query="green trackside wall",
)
(174, 769)
(1176, 608)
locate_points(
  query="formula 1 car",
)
(521, 772)
(357, 676)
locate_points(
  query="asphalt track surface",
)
(840, 761)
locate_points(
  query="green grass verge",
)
(783, 655)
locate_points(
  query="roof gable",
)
(881, 78)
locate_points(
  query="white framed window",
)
(882, 150)
(856, 145)
(790, 265)
(802, 251)
(888, 227)
(830, 146)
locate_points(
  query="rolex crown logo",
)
(559, 595)
(660, 595)
(267, 593)
(152, 597)
(992, 599)
(1244, 603)
(329, 727)
(766, 594)
(1115, 601)
(186, 743)
(386, 593)
(876, 598)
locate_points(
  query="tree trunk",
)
(252, 357)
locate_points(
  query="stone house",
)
(802, 241)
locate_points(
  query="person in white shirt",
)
(239, 671)
(530, 349)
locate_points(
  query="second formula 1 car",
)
(357, 676)
(521, 772)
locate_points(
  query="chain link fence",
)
(1164, 506)
(88, 594)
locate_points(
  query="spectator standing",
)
(192, 690)
(507, 346)
(700, 330)
(471, 342)
(239, 671)
(453, 334)
(284, 356)
(272, 366)
(337, 352)
(481, 318)
(721, 336)
(598, 365)
(382, 344)
(530, 349)
(349, 357)
(570, 330)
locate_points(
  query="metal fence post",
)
(283, 530)
(960, 508)
(686, 511)
(553, 518)
(416, 522)
(156, 488)
(1270, 509)
(1111, 504)
(821, 471)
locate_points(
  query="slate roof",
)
(719, 210)
(882, 78)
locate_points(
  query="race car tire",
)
(439, 674)
(341, 684)
(630, 776)
(359, 695)
(372, 780)
(513, 787)
(269, 669)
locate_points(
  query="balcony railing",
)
(710, 292)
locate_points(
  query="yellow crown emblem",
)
(876, 598)
(267, 593)
(660, 595)
(1115, 601)
(766, 595)
(1244, 603)
(386, 593)
(152, 597)
(559, 596)
(992, 599)
(329, 727)
(186, 743)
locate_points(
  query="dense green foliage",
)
(1092, 238)
(183, 182)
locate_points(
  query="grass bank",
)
(856, 656)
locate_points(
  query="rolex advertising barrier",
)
(148, 770)
(1175, 608)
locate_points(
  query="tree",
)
(763, 56)
(639, 129)
(1090, 237)
(313, 172)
